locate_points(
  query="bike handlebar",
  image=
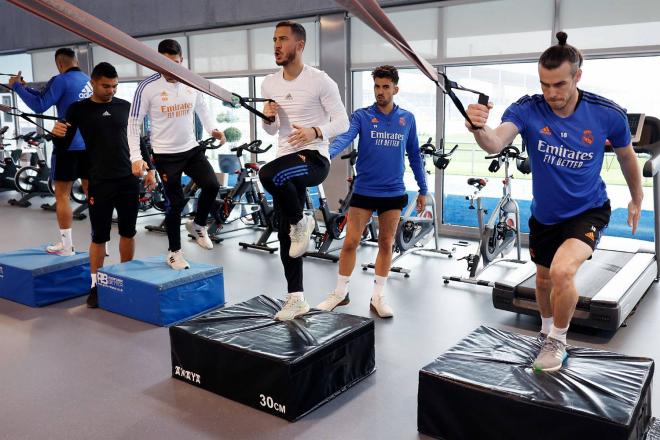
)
(508, 152)
(252, 147)
(210, 143)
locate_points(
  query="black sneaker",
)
(93, 299)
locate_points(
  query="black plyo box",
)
(287, 369)
(484, 388)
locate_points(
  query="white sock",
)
(546, 324)
(67, 239)
(558, 333)
(298, 296)
(93, 279)
(342, 284)
(379, 287)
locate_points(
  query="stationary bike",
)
(414, 232)
(501, 232)
(244, 193)
(335, 221)
(31, 180)
(9, 164)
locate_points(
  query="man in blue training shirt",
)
(566, 130)
(386, 133)
(68, 162)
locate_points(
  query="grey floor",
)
(68, 372)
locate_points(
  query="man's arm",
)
(490, 140)
(331, 102)
(48, 97)
(631, 172)
(342, 141)
(415, 158)
(139, 109)
(270, 110)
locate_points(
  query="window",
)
(416, 94)
(419, 27)
(504, 83)
(125, 67)
(43, 65)
(265, 138)
(126, 90)
(219, 52)
(593, 24)
(498, 27)
(14, 63)
(234, 122)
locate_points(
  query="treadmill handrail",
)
(652, 166)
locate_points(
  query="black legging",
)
(170, 167)
(287, 179)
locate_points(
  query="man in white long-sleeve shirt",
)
(171, 107)
(308, 112)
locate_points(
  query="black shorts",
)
(68, 166)
(104, 197)
(379, 204)
(544, 240)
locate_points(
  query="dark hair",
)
(105, 70)
(297, 29)
(386, 71)
(65, 52)
(170, 47)
(556, 55)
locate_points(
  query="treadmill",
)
(621, 270)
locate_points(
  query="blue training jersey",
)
(566, 154)
(384, 139)
(61, 91)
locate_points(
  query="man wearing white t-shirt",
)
(171, 107)
(308, 112)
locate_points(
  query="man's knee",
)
(562, 273)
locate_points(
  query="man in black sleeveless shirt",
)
(103, 121)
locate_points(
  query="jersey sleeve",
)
(517, 113)
(42, 101)
(202, 110)
(415, 158)
(342, 141)
(618, 131)
(139, 109)
(331, 102)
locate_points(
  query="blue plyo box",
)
(36, 278)
(149, 290)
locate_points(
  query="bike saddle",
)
(252, 166)
(477, 181)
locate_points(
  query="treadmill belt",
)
(591, 277)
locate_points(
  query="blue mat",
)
(150, 291)
(456, 212)
(36, 278)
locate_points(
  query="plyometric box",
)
(36, 278)
(149, 290)
(284, 368)
(484, 387)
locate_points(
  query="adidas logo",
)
(591, 236)
(106, 113)
(289, 97)
(545, 130)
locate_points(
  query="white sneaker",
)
(176, 261)
(333, 300)
(300, 233)
(58, 249)
(380, 306)
(292, 308)
(200, 234)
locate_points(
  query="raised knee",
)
(561, 273)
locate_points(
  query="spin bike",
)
(244, 192)
(34, 180)
(335, 221)
(501, 232)
(156, 198)
(414, 232)
(9, 164)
